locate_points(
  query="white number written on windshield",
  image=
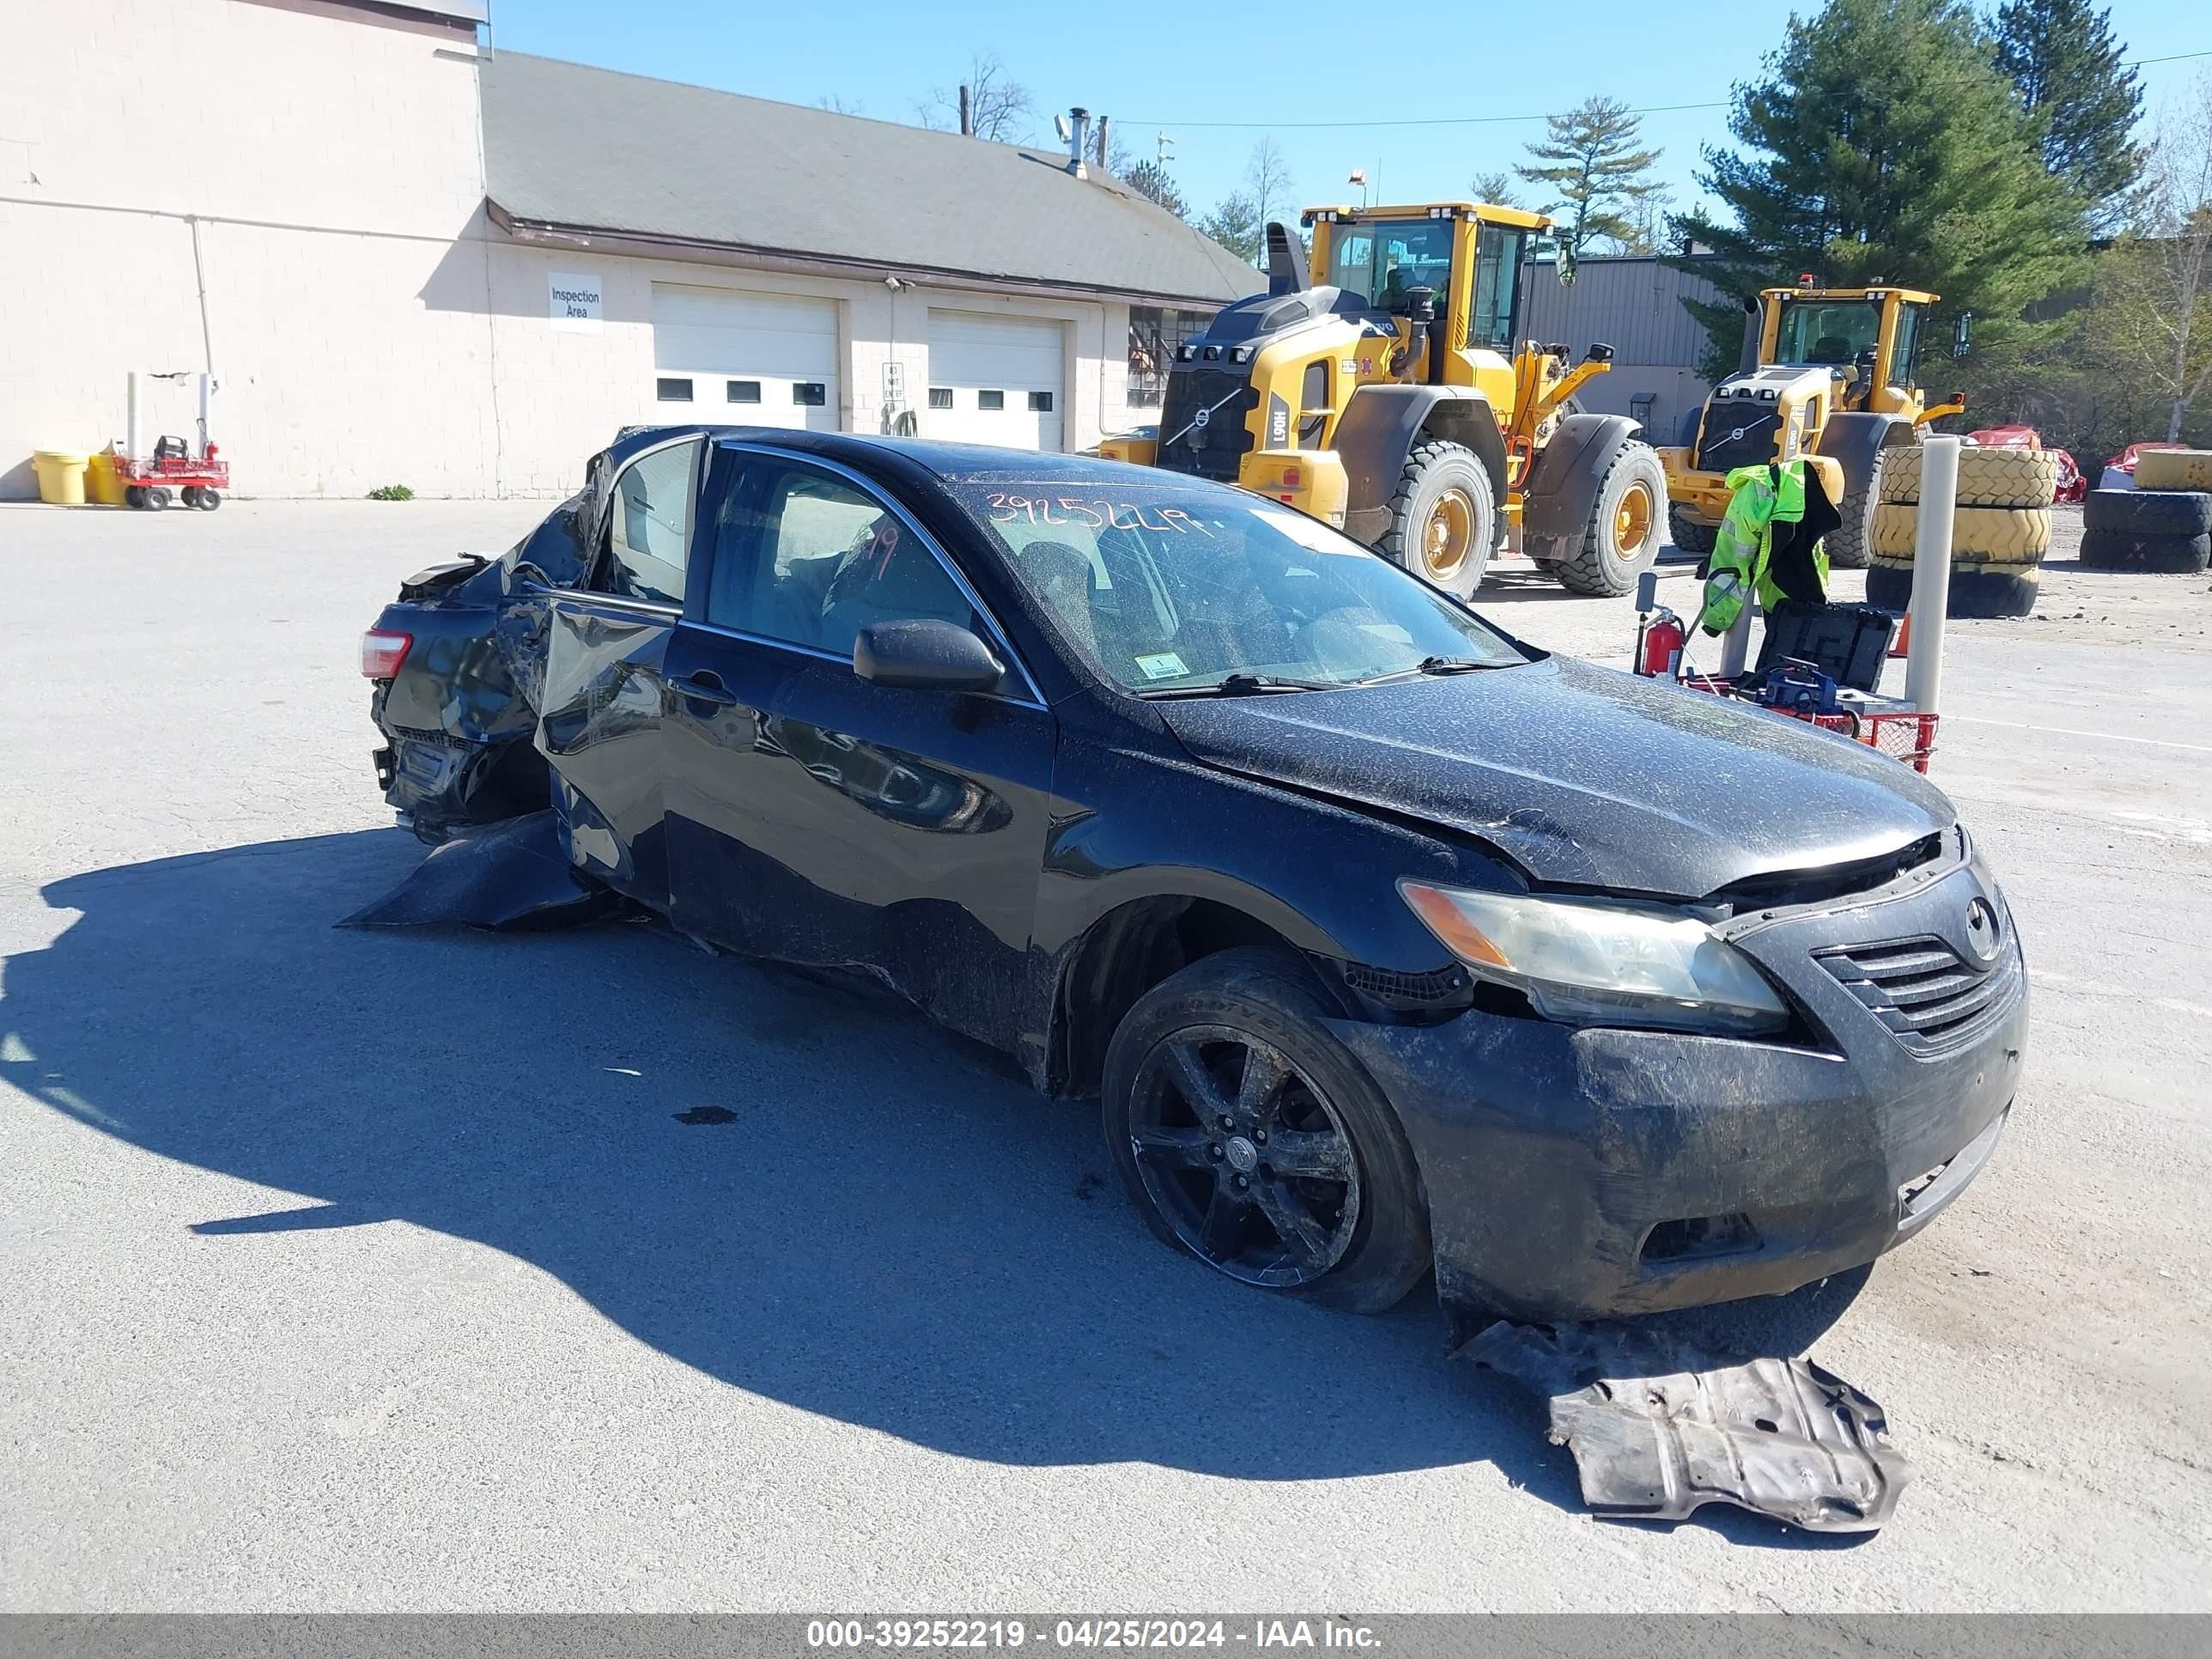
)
(1097, 514)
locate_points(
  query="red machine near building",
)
(173, 473)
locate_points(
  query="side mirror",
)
(1647, 591)
(1962, 337)
(924, 654)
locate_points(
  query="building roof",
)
(572, 146)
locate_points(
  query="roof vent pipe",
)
(1077, 134)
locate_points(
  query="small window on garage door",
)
(652, 523)
(990, 400)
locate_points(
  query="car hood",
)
(1584, 776)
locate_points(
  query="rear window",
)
(1177, 585)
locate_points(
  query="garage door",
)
(994, 381)
(751, 359)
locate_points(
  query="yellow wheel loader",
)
(1826, 374)
(1381, 390)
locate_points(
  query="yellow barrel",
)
(102, 485)
(61, 477)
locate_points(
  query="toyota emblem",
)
(1982, 932)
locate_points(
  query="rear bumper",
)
(1579, 1173)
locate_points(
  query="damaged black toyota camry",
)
(1387, 942)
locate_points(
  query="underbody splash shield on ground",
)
(513, 875)
(1655, 1435)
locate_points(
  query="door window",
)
(804, 557)
(652, 523)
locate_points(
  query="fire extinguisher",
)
(1659, 641)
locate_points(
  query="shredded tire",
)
(2119, 550)
(1987, 477)
(1689, 535)
(2148, 512)
(1588, 564)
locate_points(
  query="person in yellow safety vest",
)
(1768, 541)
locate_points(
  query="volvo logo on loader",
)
(1201, 418)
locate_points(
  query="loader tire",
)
(2173, 469)
(1979, 535)
(2122, 550)
(2148, 512)
(1850, 544)
(1987, 477)
(1689, 535)
(1621, 540)
(1444, 517)
(1976, 590)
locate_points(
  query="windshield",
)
(1380, 262)
(1831, 331)
(1178, 587)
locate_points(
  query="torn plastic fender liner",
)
(513, 876)
(1656, 1434)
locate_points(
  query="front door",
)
(813, 817)
(600, 715)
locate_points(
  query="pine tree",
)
(2068, 72)
(1590, 162)
(1236, 225)
(1497, 188)
(1883, 143)
(1150, 180)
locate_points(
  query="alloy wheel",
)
(1244, 1157)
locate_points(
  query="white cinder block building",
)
(406, 258)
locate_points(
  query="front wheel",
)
(1251, 1138)
(1444, 517)
(1620, 538)
(1689, 535)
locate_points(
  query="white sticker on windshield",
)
(1164, 667)
(1310, 533)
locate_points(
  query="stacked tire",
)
(2165, 523)
(1999, 530)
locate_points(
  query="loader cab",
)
(1868, 338)
(1469, 256)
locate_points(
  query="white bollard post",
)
(1736, 644)
(134, 443)
(1931, 571)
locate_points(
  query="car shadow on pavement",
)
(794, 1185)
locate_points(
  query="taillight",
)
(382, 653)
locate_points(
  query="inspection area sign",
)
(572, 299)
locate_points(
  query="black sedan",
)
(1387, 942)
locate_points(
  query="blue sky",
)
(1178, 69)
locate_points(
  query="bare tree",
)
(2151, 300)
(1267, 183)
(837, 105)
(1644, 227)
(999, 107)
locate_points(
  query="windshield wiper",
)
(1239, 685)
(1436, 665)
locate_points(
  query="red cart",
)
(172, 474)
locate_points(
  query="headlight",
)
(1587, 962)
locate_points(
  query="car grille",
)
(1216, 449)
(1929, 995)
(1720, 448)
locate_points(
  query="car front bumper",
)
(1576, 1173)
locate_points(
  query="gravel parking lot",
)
(345, 1271)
